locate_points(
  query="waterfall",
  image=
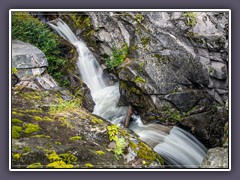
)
(179, 148)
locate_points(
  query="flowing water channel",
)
(179, 148)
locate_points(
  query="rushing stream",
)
(179, 148)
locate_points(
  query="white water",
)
(178, 147)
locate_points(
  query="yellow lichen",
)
(59, 164)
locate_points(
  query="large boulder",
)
(50, 132)
(30, 66)
(31, 63)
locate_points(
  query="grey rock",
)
(216, 158)
(170, 63)
(25, 55)
(180, 99)
(219, 70)
(216, 56)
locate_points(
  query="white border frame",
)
(119, 10)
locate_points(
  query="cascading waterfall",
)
(179, 148)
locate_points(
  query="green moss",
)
(145, 41)
(16, 156)
(191, 18)
(162, 58)
(88, 165)
(65, 122)
(58, 143)
(35, 166)
(171, 114)
(14, 70)
(140, 80)
(41, 136)
(100, 152)
(75, 138)
(37, 118)
(135, 90)
(152, 118)
(53, 156)
(59, 164)
(135, 47)
(68, 158)
(147, 154)
(139, 17)
(16, 121)
(31, 128)
(96, 120)
(26, 149)
(16, 130)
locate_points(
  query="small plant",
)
(117, 57)
(139, 17)
(191, 18)
(65, 106)
(120, 143)
(112, 132)
(120, 146)
(14, 70)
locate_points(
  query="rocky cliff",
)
(176, 68)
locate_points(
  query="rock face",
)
(50, 132)
(177, 70)
(216, 158)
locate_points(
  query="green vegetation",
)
(41, 136)
(140, 80)
(117, 57)
(59, 164)
(65, 106)
(191, 18)
(139, 17)
(35, 166)
(16, 156)
(75, 138)
(88, 165)
(31, 128)
(61, 161)
(16, 130)
(100, 152)
(29, 29)
(16, 121)
(120, 143)
(14, 70)
(171, 114)
(145, 41)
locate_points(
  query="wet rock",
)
(216, 158)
